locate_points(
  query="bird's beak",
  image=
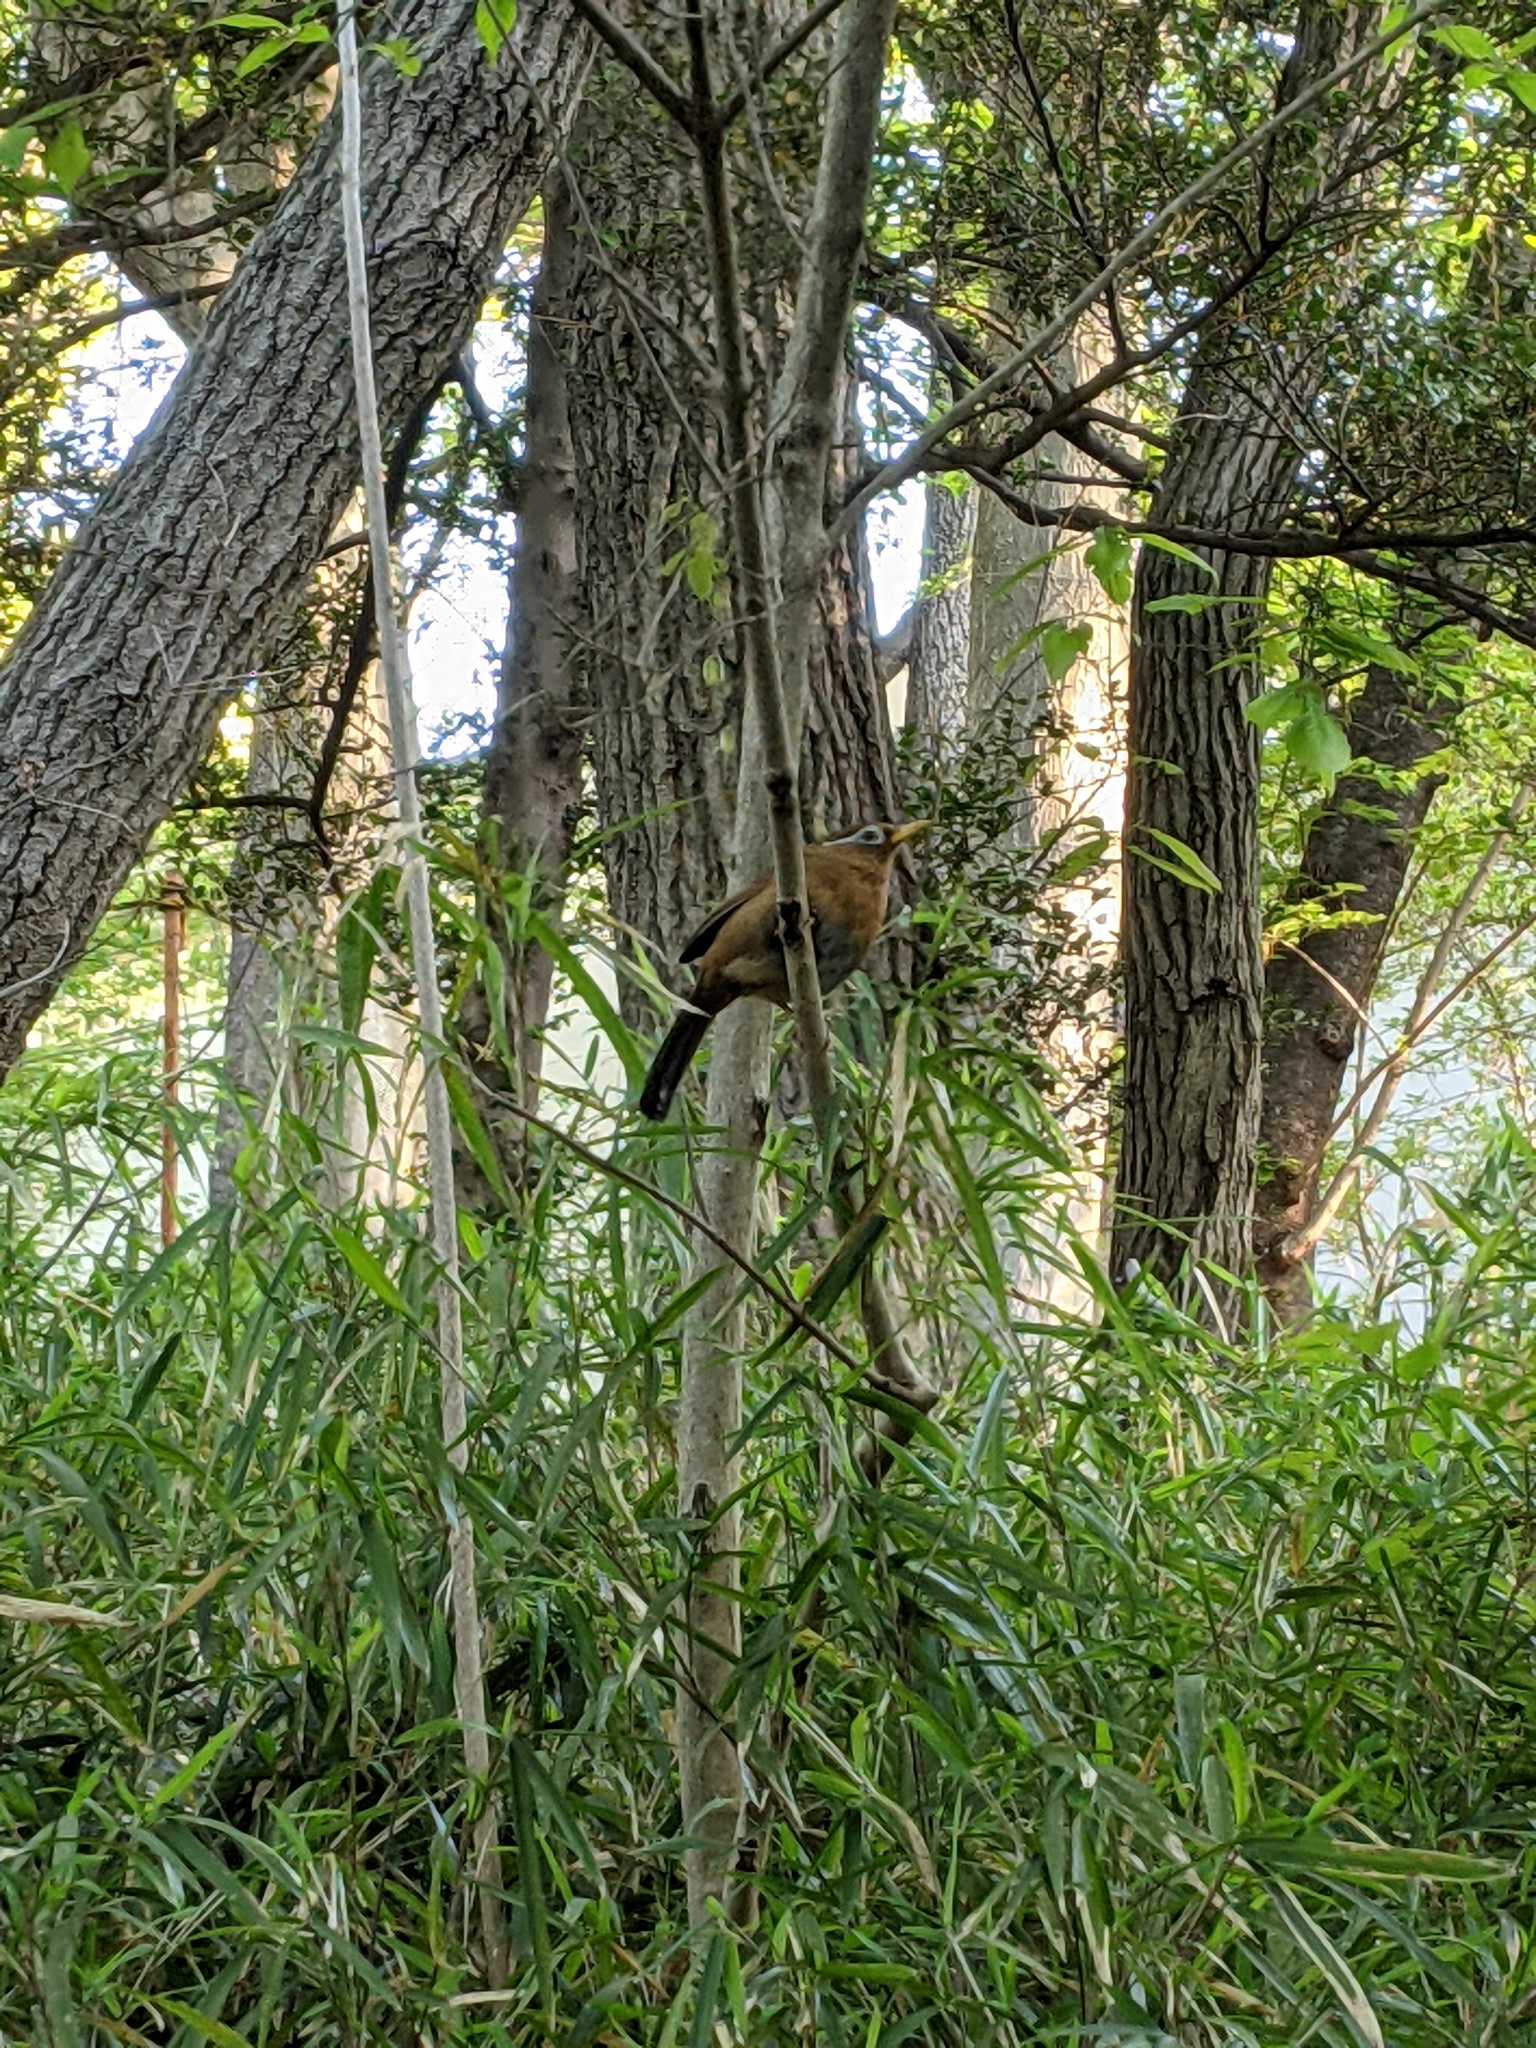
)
(913, 829)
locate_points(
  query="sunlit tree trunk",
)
(535, 764)
(938, 691)
(1068, 733)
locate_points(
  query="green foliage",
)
(1168, 1689)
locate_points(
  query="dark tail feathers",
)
(671, 1063)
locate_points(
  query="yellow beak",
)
(914, 829)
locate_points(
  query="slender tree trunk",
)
(1317, 992)
(1068, 735)
(533, 775)
(939, 658)
(202, 543)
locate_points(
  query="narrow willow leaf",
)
(1320, 1951)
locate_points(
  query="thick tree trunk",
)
(662, 654)
(1193, 968)
(1317, 992)
(1191, 953)
(205, 538)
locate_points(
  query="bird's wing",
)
(709, 930)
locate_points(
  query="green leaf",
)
(1318, 743)
(1080, 860)
(1239, 1769)
(397, 50)
(613, 1026)
(357, 946)
(1179, 552)
(1189, 1721)
(368, 1269)
(494, 20)
(263, 54)
(256, 22)
(1521, 86)
(474, 1133)
(13, 145)
(1319, 1853)
(1279, 707)
(1358, 645)
(67, 156)
(204, 2028)
(1320, 1951)
(1194, 602)
(702, 2032)
(1216, 1799)
(1464, 41)
(530, 1870)
(193, 1768)
(701, 566)
(400, 1623)
(1109, 557)
(1028, 568)
(1184, 864)
(1062, 647)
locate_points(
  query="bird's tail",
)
(671, 1062)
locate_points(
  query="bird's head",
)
(884, 838)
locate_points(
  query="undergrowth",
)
(1169, 1689)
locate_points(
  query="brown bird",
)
(739, 951)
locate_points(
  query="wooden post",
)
(173, 907)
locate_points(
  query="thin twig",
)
(634, 55)
(907, 464)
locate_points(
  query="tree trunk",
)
(203, 542)
(1191, 953)
(1192, 961)
(533, 772)
(662, 655)
(939, 659)
(1066, 736)
(1316, 992)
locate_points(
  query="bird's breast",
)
(838, 952)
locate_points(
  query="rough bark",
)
(663, 662)
(204, 539)
(1193, 970)
(1316, 993)
(1192, 961)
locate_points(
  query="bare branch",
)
(633, 54)
(734, 104)
(1056, 330)
(1425, 1013)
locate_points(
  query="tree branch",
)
(908, 464)
(635, 57)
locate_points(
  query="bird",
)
(739, 951)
